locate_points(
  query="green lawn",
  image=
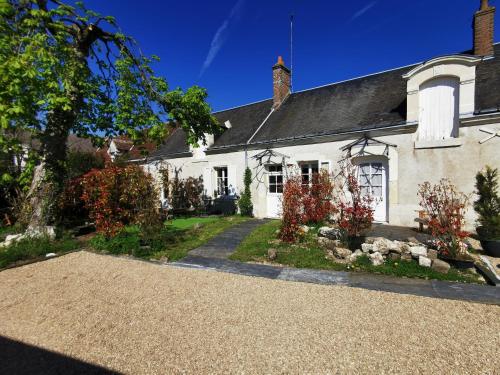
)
(173, 241)
(185, 223)
(307, 254)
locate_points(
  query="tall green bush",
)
(245, 202)
(487, 205)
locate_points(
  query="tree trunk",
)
(48, 180)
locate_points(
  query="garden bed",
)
(30, 250)
(170, 243)
(309, 254)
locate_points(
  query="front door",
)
(274, 190)
(372, 181)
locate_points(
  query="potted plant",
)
(446, 208)
(487, 207)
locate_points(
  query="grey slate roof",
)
(174, 146)
(362, 104)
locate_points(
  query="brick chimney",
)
(484, 21)
(281, 82)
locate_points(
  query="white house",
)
(439, 118)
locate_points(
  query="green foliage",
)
(245, 201)
(31, 248)
(487, 205)
(65, 69)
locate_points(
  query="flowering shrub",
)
(117, 196)
(355, 212)
(446, 208)
(305, 204)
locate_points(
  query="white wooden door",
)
(274, 190)
(372, 181)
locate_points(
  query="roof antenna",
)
(291, 52)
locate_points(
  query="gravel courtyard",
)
(135, 317)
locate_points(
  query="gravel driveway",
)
(136, 317)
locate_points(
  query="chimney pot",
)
(281, 82)
(484, 4)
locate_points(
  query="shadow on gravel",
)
(19, 358)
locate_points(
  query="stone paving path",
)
(419, 287)
(213, 256)
(225, 244)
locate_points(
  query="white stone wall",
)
(408, 166)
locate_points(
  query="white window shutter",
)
(207, 182)
(232, 180)
(439, 109)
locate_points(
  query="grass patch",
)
(32, 248)
(173, 241)
(186, 223)
(307, 254)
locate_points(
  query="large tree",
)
(66, 69)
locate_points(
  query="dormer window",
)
(440, 93)
(439, 109)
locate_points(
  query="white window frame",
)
(222, 182)
(275, 170)
(310, 166)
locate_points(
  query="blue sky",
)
(229, 46)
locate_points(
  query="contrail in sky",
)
(220, 36)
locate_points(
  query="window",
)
(370, 179)
(222, 181)
(308, 170)
(275, 178)
(439, 109)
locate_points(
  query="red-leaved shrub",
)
(355, 212)
(305, 203)
(292, 209)
(446, 207)
(117, 196)
(317, 198)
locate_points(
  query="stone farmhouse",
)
(423, 122)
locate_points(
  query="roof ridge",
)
(243, 105)
(359, 77)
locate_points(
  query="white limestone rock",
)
(417, 251)
(367, 248)
(440, 266)
(382, 246)
(424, 261)
(354, 256)
(376, 258)
(330, 233)
(342, 253)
